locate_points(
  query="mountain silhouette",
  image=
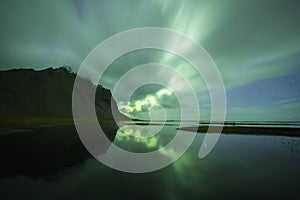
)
(28, 95)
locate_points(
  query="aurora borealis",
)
(255, 44)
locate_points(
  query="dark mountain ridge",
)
(27, 94)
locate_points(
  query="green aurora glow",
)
(255, 44)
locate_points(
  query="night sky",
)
(255, 44)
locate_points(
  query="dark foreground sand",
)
(249, 130)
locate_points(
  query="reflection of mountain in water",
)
(43, 152)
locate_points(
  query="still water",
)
(51, 163)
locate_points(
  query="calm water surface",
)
(50, 163)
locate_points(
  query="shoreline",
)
(232, 129)
(250, 130)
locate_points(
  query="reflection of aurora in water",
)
(239, 165)
(146, 138)
(134, 134)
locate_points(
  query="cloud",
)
(293, 103)
(163, 92)
(287, 101)
(141, 107)
(286, 110)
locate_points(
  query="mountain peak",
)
(28, 94)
